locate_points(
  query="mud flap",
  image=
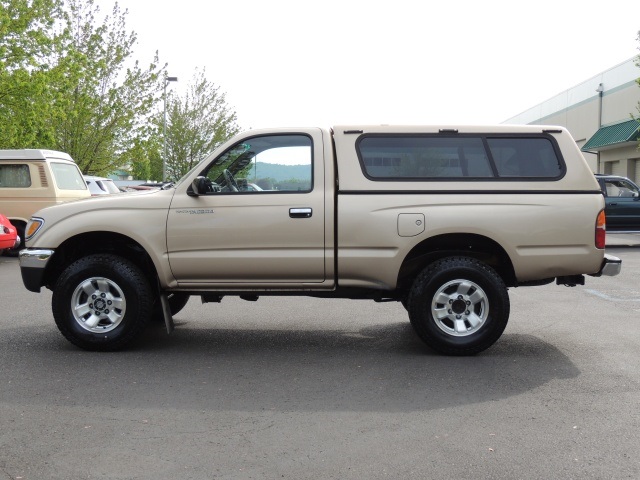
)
(166, 312)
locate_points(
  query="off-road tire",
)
(123, 298)
(459, 306)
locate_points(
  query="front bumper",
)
(33, 262)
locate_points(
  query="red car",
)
(8, 235)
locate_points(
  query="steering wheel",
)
(231, 182)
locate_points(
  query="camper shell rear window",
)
(393, 157)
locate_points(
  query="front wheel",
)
(102, 302)
(459, 306)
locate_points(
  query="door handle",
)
(300, 212)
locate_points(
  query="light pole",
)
(164, 127)
(600, 91)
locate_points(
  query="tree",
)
(110, 98)
(196, 124)
(28, 38)
(68, 81)
(137, 159)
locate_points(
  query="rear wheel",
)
(459, 306)
(102, 302)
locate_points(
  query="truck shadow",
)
(382, 368)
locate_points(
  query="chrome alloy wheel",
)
(460, 308)
(98, 305)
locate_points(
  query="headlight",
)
(4, 229)
(33, 226)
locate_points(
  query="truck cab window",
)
(258, 165)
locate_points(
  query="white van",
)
(34, 179)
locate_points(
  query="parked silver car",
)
(101, 185)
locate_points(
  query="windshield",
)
(68, 176)
(110, 186)
(621, 187)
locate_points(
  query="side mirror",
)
(202, 186)
(199, 186)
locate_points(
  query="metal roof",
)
(612, 135)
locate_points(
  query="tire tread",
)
(103, 263)
(419, 319)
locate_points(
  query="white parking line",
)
(610, 297)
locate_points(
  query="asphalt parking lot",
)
(303, 388)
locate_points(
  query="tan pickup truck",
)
(441, 219)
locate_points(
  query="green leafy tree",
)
(29, 36)
(109, 95)
(68, 82)
(137, 160)
(144, 159)
(26, 31)
(197, 123)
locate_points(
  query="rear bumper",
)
(7, 244)
(611, 266)
(32, 266)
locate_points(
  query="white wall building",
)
(598, 113)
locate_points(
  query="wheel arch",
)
(91, 243)
(471, 245)
(18, 220)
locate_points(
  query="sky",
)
(287, 63)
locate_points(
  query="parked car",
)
(622, 203)
(138, 188)
(147, 186)
(101, 185)
(8, 235)
(34, 179)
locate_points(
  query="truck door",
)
(257, 218)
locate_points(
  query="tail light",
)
(601, 230)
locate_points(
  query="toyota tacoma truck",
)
(443, 220)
